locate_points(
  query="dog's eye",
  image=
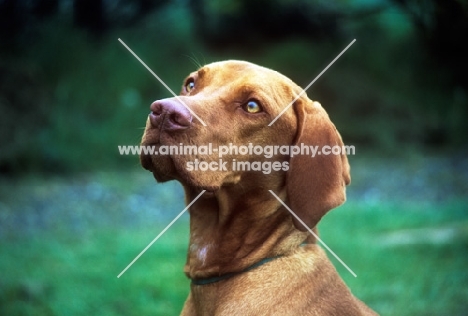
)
(252, 107)
(189, 85)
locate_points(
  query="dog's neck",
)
(230, 232)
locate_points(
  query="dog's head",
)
(237, 101)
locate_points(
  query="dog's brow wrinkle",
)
(201, 72)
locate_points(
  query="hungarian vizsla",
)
(248, 255)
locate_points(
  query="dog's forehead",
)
(248, 76)
(231, 70)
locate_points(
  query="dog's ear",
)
(317, 184)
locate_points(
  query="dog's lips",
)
(162, 166)
(146, 159)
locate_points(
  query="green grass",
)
(403, 276)
(63, 241)
(68, 274)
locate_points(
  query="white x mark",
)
(161, 233)
(313, 234)
(162, 82)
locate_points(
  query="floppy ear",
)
(317, 184)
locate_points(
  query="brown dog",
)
(248, 255)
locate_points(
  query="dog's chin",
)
(208, 191)
(190, 185)
(195, 186)
(167, 168)
(162, 178)
(196, 183)
(146, 163)
(162, 167)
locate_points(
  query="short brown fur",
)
(237, 222)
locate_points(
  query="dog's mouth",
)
(146, 158)
(172, 160)
(161, 166)
(167, 167)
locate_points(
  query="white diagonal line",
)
(162, 82)
(314, 234)
(305, 89)
(160, 234)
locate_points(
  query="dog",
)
(248, 254)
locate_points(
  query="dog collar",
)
(205, 281)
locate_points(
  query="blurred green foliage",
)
(82, 96)
(69, 96)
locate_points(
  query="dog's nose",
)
(170, 114)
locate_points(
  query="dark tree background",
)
(406, 75)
